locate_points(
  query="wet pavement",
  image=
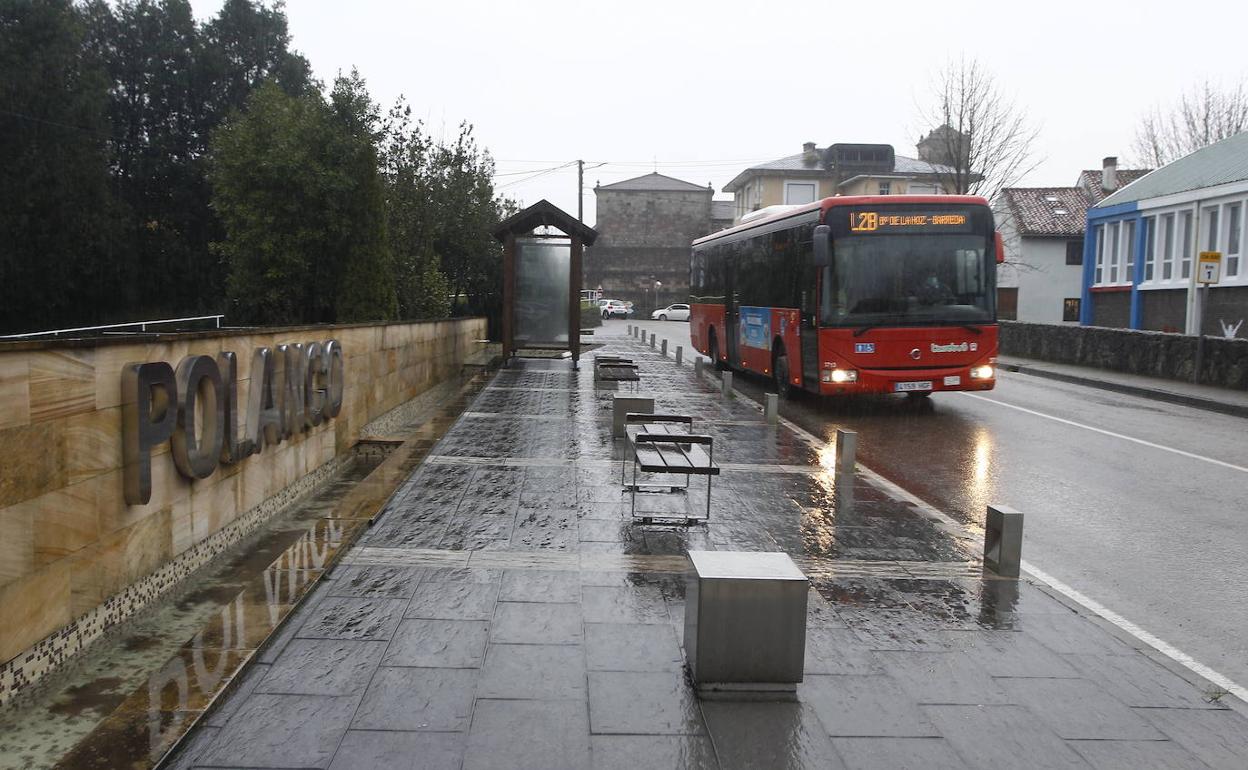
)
(125, 702)
(504, 611)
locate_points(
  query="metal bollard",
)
(726, 385)
(1003, 541)
(630, 328)
(697, 368)
(652, 339)
(846, 451)
(771, 408)
(679, 352)
(663, 348)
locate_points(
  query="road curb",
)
(1196, 402)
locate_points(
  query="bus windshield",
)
(908, 280)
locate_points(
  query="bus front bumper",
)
(982, 376)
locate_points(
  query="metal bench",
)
(615, 369)
(658, 444)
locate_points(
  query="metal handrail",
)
(141, 324)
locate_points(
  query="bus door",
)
(732, 310)
(810, 313)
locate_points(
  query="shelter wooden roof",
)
(545, 213)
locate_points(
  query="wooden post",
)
(574, 310)
(509, 301)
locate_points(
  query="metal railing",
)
(141, 324)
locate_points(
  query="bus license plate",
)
(901, 387)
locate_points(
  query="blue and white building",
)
(1140, 253)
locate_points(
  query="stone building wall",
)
(644, 236)
(75, 558)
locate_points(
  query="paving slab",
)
(399, 750)
(436, 699)
(528, 735)
(783, 736)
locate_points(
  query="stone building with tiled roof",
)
(841, 169)
(645, 227)
(1043, 229)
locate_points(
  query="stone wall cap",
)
(322, 331)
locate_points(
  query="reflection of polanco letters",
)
(283, 582)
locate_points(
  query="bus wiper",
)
(970, 328)
(865, 329)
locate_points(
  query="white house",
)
(1042, 278)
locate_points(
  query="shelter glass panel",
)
(543, 270)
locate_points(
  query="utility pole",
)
(580, 191)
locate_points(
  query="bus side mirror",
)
(1000, 247)
(823, 246)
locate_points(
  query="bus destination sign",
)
(909, 221)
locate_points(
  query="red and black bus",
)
(855, 294)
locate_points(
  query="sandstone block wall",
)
(70, 546)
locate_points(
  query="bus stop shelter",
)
(542, 280)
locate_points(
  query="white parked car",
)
(612, 308)
(676, 312)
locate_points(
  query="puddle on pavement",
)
(126, 701)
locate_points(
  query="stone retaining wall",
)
(1156, 354)
(74, 557)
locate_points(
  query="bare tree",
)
(976, 130)
(1203, 115)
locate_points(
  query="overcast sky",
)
(702, 89)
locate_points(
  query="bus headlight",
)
(981, 372)
(840, 376)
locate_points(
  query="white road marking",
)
(1088, 603)
(1165, 648)
(1102, 431)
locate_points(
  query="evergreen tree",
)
(57, 240)
(296, 184)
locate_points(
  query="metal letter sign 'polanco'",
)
(292, 389)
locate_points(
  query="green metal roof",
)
(1222, 162)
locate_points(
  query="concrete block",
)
(679, 354)
(622, 405)
(771, 408)
(846, 451)
(725, 385)
(745, 624)
(1003, 540)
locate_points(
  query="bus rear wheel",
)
(780, 371)
(714, 348)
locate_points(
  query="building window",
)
(1070, 309)
(799, 192)
(1234, 234)
(1114, 243)
(1128, 251)
(1211, 229)
(1150, 247)
(1100, 254)
(885, 187)
(1007, 303)
(1185, 245)
(1167, 247)
(1074, 252)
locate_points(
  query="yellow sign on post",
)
(1209, 269)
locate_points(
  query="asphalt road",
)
(1140, 505)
